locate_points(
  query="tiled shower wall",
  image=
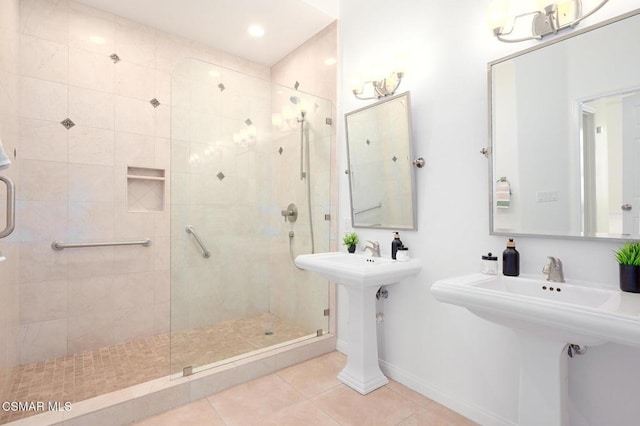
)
(9, 286)
(73, 181)
(222, 187)
(295, 294)
(233, 172)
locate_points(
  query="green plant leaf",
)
(350, 239)
(629, 254)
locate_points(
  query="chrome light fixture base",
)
(381, 88)
(552, 19)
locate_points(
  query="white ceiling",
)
(223, 24)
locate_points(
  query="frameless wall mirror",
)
(565, 129)
(380, 164)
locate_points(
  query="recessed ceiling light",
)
(256, 31)
(97, 39)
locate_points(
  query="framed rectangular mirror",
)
(379, 151)
(564, 129)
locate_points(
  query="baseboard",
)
(469, 410)
(341, 346)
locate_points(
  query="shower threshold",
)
(133, 379)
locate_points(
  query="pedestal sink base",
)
(362, 371)
(357, 384)
(543, 382)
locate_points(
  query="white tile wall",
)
(302, 65)
(48, 20)
(41, 99)
(90, 145)
(48, 60)
(43, 140)
(91, 108)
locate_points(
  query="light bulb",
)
(498, 14)
(399, 62)
(541, 4)
(378, 72)
(356, 83)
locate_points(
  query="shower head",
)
(294, 100)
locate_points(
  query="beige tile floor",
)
(309, 394)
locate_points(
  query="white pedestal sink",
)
(547, 317)
(361, 276)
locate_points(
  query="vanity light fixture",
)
(549, 18)
(380, 88)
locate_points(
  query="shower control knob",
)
(626, 207)
(290, 214)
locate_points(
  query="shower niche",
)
(145, 189)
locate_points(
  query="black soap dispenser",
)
(395, 245)
(511, 260)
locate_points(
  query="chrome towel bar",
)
(205, 253)
(377, 206)
(58, 245)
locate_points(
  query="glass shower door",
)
(234, 287)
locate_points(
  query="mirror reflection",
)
(564, 118)
(610, 136)
(380, 164)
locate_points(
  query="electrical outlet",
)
(547, 196)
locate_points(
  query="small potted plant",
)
(350, 240)
(628, 256)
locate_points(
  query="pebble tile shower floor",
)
(77, 377)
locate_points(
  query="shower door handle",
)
(11, 207)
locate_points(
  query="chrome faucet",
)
(554, 270)
(374, 248)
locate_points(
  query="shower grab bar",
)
(205, 253)
(58, 245)
(11, 207)
(377, 206)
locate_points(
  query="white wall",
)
(440, 350)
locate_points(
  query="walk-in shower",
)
(165, 255)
